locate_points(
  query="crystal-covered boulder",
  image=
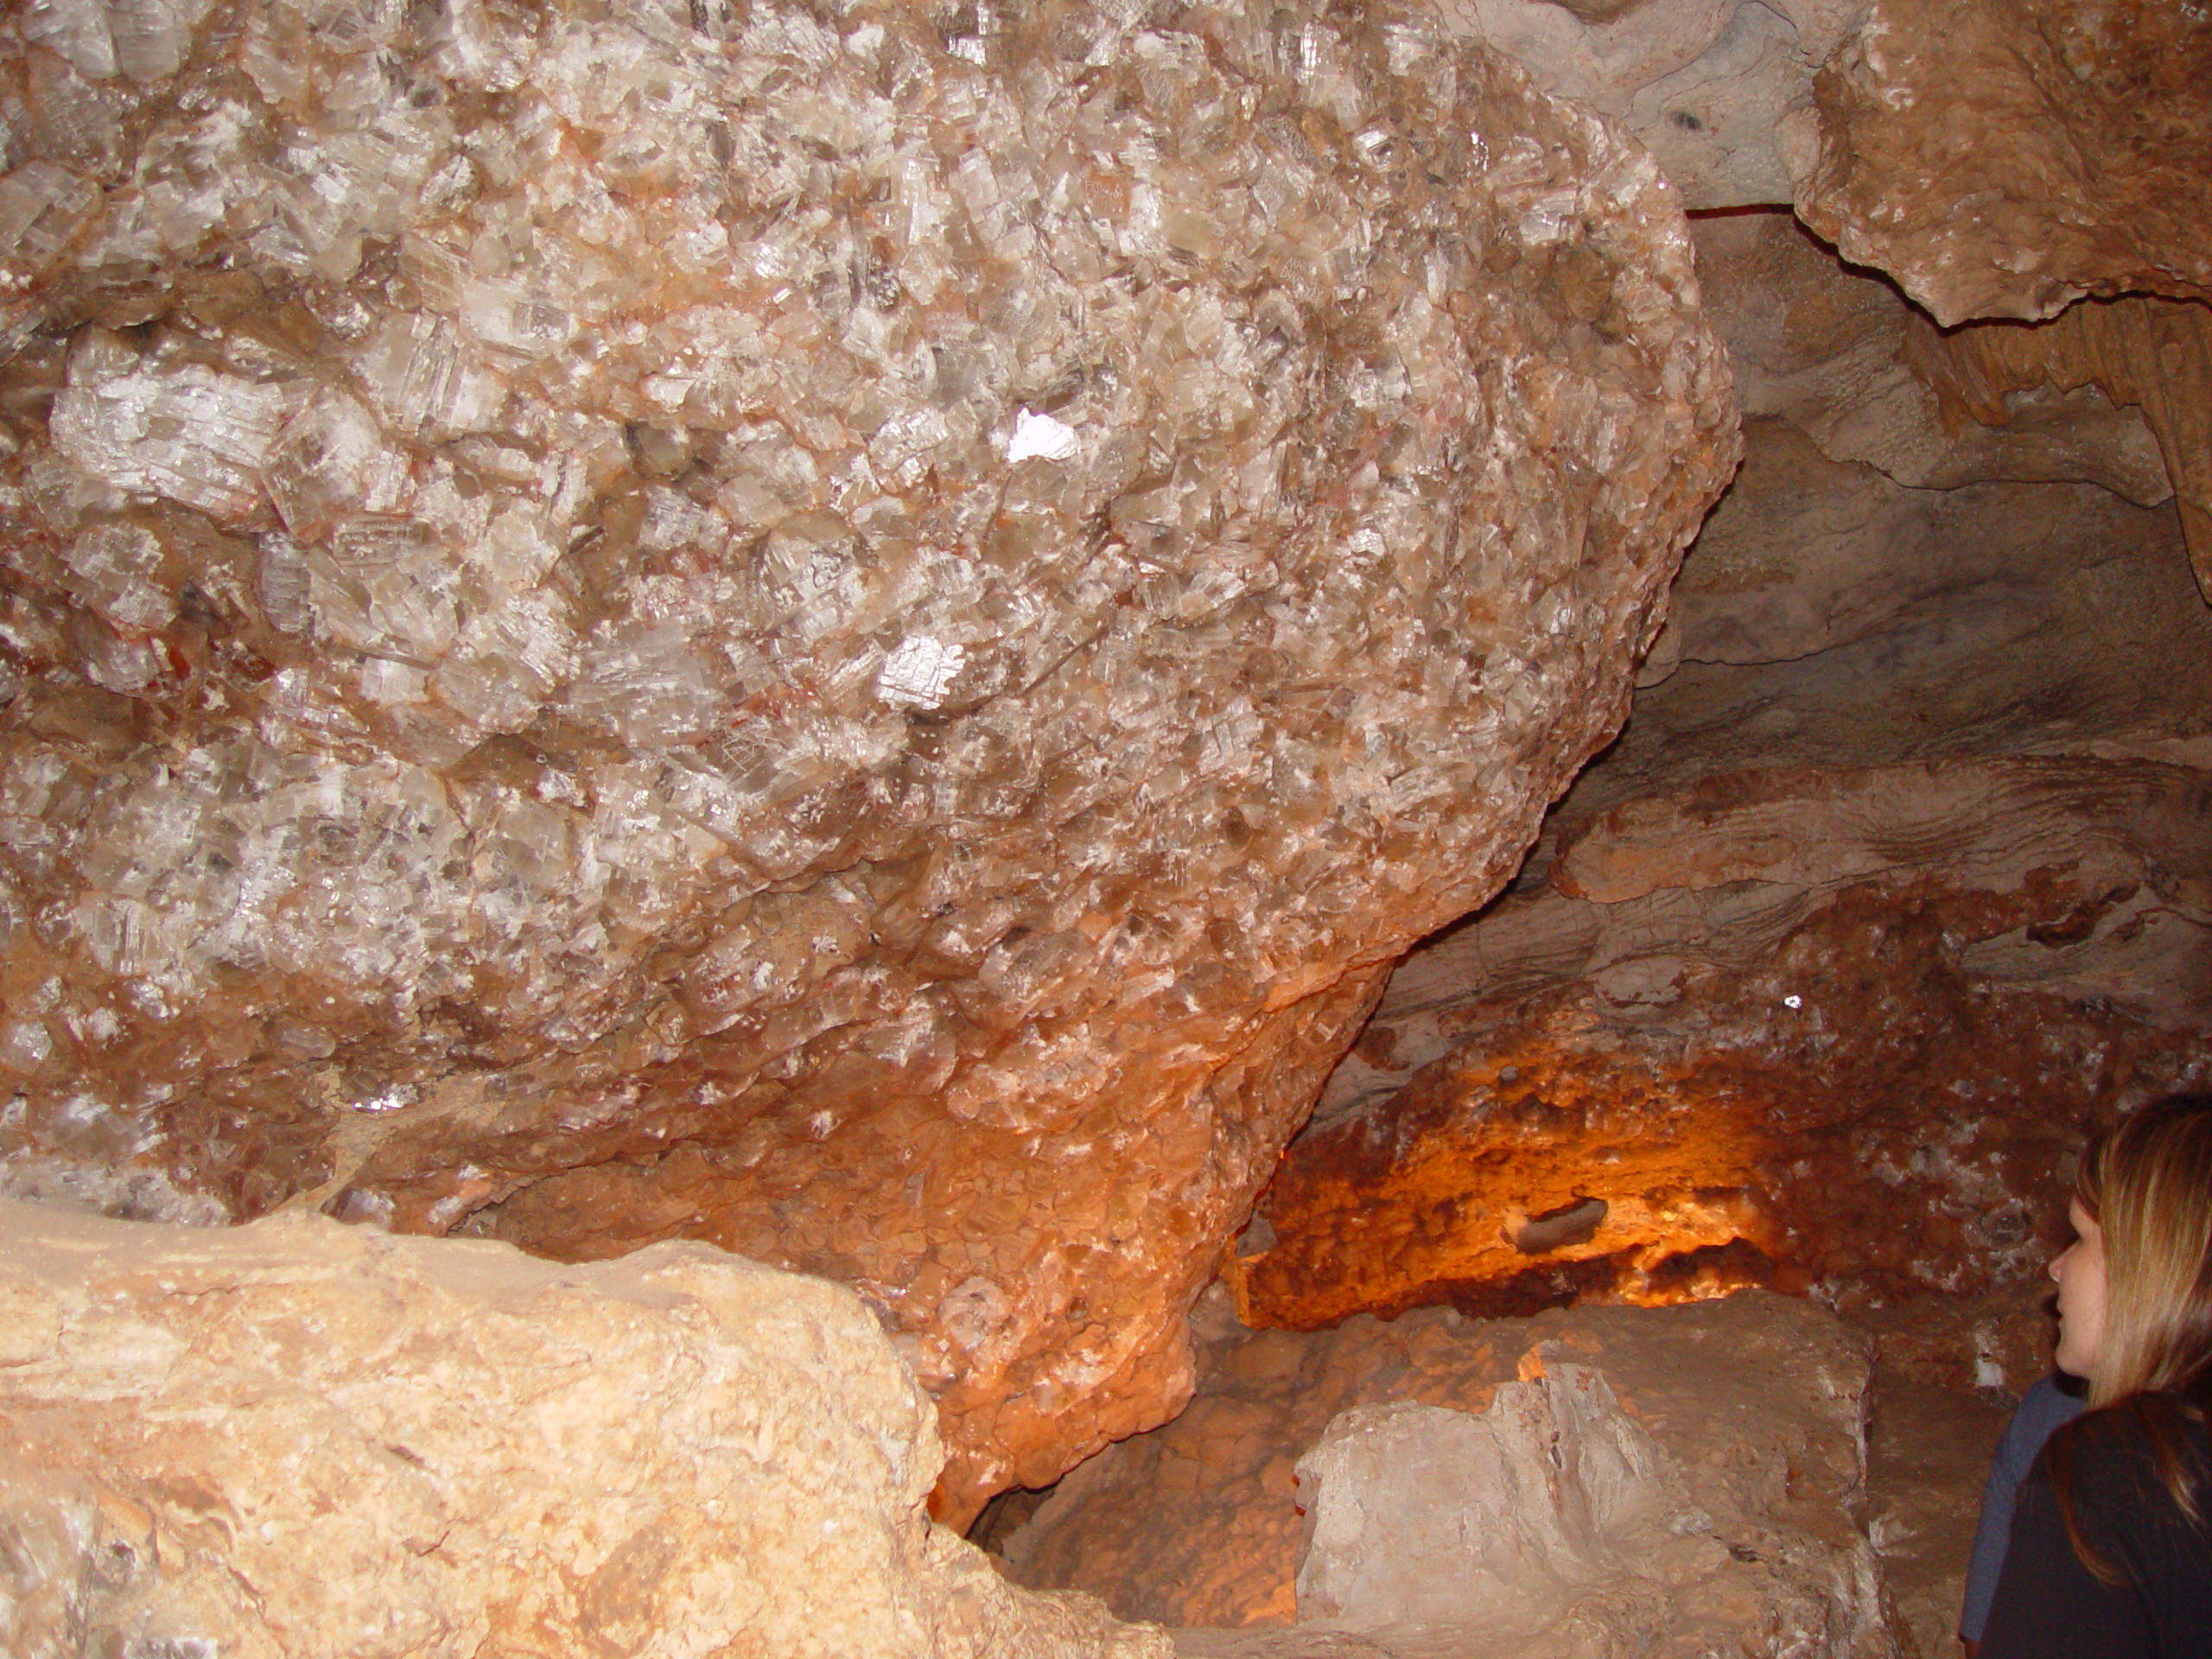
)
(851, 630)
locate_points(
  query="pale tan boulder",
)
(298, 1439)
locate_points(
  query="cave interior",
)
(1251, 712)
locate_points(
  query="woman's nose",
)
(2056, 1263)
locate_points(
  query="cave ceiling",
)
(863, 633)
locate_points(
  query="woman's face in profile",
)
(2080, 1270)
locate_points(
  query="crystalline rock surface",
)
(853, 630)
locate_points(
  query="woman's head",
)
(2145, 1193)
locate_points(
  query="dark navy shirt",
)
(2042, 1409)
(2050, 1606)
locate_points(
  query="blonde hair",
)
(2147, 1184)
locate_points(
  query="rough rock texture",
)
(1497, 1523)
(1992, 1346)
(1887, 805)
(1927, 1455)
(860, 632)
(852, 633)
(1721, 90)
(2155, 354)
(2001, 158)
(1781, 1027)
(1753, 1407)
(1947, 1373)
(295, 1438)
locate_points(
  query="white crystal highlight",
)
(1042, 436)
(182, 430)
(920, 672)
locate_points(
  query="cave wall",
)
(1894, 888)
(861, 632)
(854, 634)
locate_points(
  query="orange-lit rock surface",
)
(861, 634)
(1832, 1028)
(1755, 1407)
(855, 635)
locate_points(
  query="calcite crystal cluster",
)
(849, 631)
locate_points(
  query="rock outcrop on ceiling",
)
(2003, 158)
(2000, 158)
(857, 637)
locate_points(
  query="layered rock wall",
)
(296, 1438)
(2152, 354)
(1799, 1029)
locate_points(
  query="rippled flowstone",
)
(297, 1439)
(850, 632)
(2155, 354)
(1837, 351)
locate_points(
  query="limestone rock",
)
(2154, 354)
(849, 632)
(1829, 618)
(1416, 1515)
(1840, 353)
(1883, 766)
(1721, 90)
(2111, 392)
(1929, 1453)
(296, 1438)
(2001, 158)
(1736, 1471)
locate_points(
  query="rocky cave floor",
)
(1813, 1440)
